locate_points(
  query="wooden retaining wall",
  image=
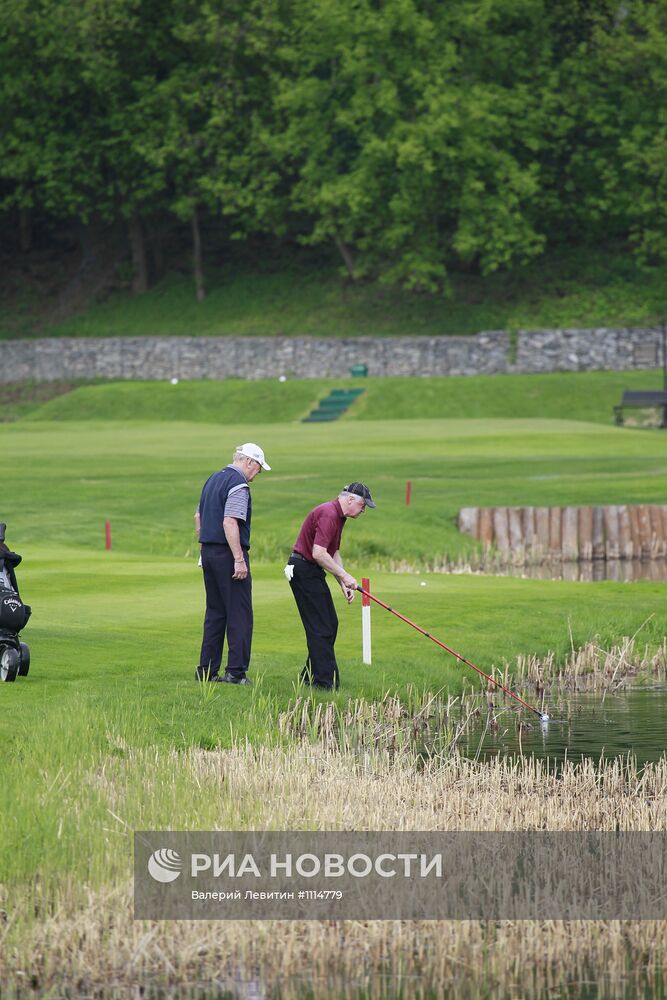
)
(532, 534)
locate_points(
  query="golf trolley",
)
(14, 615)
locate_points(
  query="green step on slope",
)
(333, 405)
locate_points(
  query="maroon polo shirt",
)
(323, 526)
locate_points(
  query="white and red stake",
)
(365, 621)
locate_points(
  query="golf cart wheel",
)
(25, 660)
(9, 664)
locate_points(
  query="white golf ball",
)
(423, 583)
(283, 378)
(174, 381)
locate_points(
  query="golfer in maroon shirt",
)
(317, 549)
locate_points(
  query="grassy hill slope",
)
(577, 396)
(298, 294)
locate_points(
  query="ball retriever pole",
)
(542, 716)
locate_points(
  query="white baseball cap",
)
(254, 451)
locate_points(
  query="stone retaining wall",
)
(486, 353)
(587, 350)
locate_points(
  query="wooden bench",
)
(653, 397)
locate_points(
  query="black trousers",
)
(228, 613)
(320, 621)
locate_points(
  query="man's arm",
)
(198, 531)
(231, 529)
(348, 591)
(334, 564)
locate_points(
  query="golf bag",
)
(14, 615)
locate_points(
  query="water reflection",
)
(620, 570)
(583, 727)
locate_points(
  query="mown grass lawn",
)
(115, 638)
(105, 735)
(589, 396)
(145, 477)
(120, 630)
(114, 641)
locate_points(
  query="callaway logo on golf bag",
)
(13, 612)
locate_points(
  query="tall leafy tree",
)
(627, 118)
(410, 131)
(412, 135)
(68, 76)
(198, 122)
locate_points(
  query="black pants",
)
(320, 621)
(228, 613)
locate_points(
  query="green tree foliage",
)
(196, 123)
(416, 136)
(68, 73)
(409, 145)
(631, 107)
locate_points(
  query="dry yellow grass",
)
(89, 944)
(592, 668)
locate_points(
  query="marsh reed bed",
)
(81, 786)
(67, 927)
(593, 668)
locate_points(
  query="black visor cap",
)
(362, 491)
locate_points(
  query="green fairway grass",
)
(68, 478)
(110, 623)
(118, 632)
(118, 635)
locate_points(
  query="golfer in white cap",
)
(223, 517)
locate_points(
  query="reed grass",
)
(592, 668)
(424, 722)
(64, 935)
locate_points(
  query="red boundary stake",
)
(408, 492)
(365, 596)
(542, 715)
(107, 534)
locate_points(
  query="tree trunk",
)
(200, 287)
(102, 246)
(25, 230)
(346, 254)
(155, 236)
(139, 262)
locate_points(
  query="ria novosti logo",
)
(165, 865)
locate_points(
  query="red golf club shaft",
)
(453, 652)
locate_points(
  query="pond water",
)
(620, 570)
(583, 726)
